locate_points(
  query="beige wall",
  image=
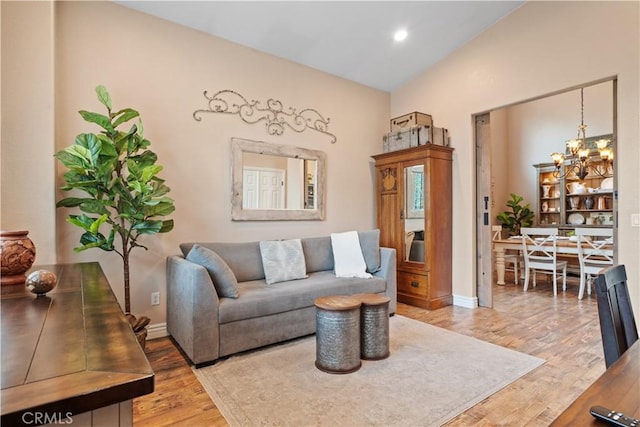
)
(27, 122)
(162, 69)
(535, 51)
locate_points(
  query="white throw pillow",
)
(347, 255)
(283, 260)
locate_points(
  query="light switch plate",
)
(635, 220)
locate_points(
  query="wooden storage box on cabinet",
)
(407, 121)
(413, 210)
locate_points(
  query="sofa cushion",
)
(318, 255)
(347, 255)
(370, 244)
(257, 299)
(244, 259)
(282, 260)
(223, 278)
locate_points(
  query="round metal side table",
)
(338, 334)
(374, 326)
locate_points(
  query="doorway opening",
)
(510, 140)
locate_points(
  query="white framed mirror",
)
(274, 182)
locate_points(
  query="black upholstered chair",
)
(617, 324)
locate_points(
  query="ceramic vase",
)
(17, 254)
(545, 191)
(545, 206)
(588, 203)
(602, 203)
(574, 202)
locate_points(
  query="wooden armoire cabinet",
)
(414, 215)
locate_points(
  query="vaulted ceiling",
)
(349, 39)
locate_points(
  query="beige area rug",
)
(431, 376)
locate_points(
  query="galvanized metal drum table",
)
(338, 334)
(374, 326)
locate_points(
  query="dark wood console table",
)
(618, 388)
(70, 354)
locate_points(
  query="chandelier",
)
(579, 161)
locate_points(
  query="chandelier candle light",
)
(579, 161)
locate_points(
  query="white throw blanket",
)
(347, 255)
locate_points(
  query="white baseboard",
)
(467, 302)
(157, 330)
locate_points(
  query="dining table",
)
(564, 246)
(618, 389)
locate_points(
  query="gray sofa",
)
(208, 327)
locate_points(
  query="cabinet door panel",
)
(388, 206)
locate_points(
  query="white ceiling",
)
(350, 39)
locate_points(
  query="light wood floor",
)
(562, 330)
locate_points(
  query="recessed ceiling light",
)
(400, 35)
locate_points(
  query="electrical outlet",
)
(155, 298)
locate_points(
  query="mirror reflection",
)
(276, 182)
(414, 217)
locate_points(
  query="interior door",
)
(484, 249)
(263, 189)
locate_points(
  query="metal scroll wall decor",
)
(275, 116)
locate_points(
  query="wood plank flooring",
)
(562, 330)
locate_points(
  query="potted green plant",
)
(123, 194)
(519, 215)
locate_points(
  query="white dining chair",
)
(595, 252)
(509, 258)
(539, 246)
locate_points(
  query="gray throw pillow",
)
(370, 244)
(283, 260)
(223, 278)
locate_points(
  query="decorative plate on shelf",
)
(575, 219)
(606, 184)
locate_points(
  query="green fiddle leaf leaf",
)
(70, 160)
(90, 142)
(124, 116)
(71, 202)
(162, 209)
(99, 119)
(81, 221)
(89, 240)
(166, 226)
(94, 207)
(80, 152)
(136, 185)
(148, 227)
(149, 172)
(103, 96)
(95, 226)
(147, 158)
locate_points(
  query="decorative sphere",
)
(41, 281)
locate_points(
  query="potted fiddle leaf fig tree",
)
(519, 216)
(123, 198)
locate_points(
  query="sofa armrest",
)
(388, 273)
(192, 310)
